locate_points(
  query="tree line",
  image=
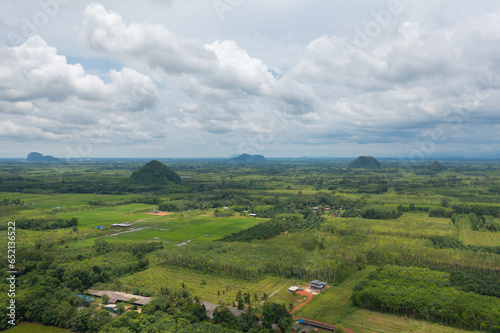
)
(429, 295)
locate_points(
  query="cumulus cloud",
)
(43, 97)
(106, 31)
(226, 90)
(407, 77)
(34, 71)
(433, 66)
(222, 64)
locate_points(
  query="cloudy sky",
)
(212, 78)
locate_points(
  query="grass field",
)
(154, 279)
(109, 215)
(35, 328)
(50, 201)
(410, 225)
(177, 230)
(332, 305)
(480, 238)
(364, 321)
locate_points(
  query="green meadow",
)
(175, 230)
(35, 328)
(107, 216)
(207, 287)
(365, 321)
(47, 202)
(317, 219)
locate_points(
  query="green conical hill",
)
(155, 172)
(364, 162)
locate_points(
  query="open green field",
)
(50, 201)
(107, 216)
(334, 304)
(206, 287)
(177, 230)
(364, 321)
(58, 260)
(394, 198)
(480, 238)
(35, 328)
(410, 225)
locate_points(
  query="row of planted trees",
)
(314, 255)
(429, 295)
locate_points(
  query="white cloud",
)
(34, 71)
(222, 64)
(106, 31)
(207, 83)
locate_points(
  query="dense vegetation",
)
(365, 162)
(154, 172)
(433, 232)
(427, 294)
(246, 158)
(44, 224)
(278, 225)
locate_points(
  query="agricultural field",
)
(109, 215)
(334, 304)
(480, 238)
(207, 287)
(359, 230)
(35, 328)
(48, 202)
(364, 321)
(175, 230)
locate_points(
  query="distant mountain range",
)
(37, 157)
(246, 158)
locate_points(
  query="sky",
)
(412, 79)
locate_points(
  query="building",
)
(210, 307)
(115, 296)
(121, 225)
(110, 308)
(86, 298)
(293, 289)
(317, 284)
(252, 214)
(304, 326)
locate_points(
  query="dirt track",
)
(159, 214)
(309, 298)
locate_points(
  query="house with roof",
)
(317, 284)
